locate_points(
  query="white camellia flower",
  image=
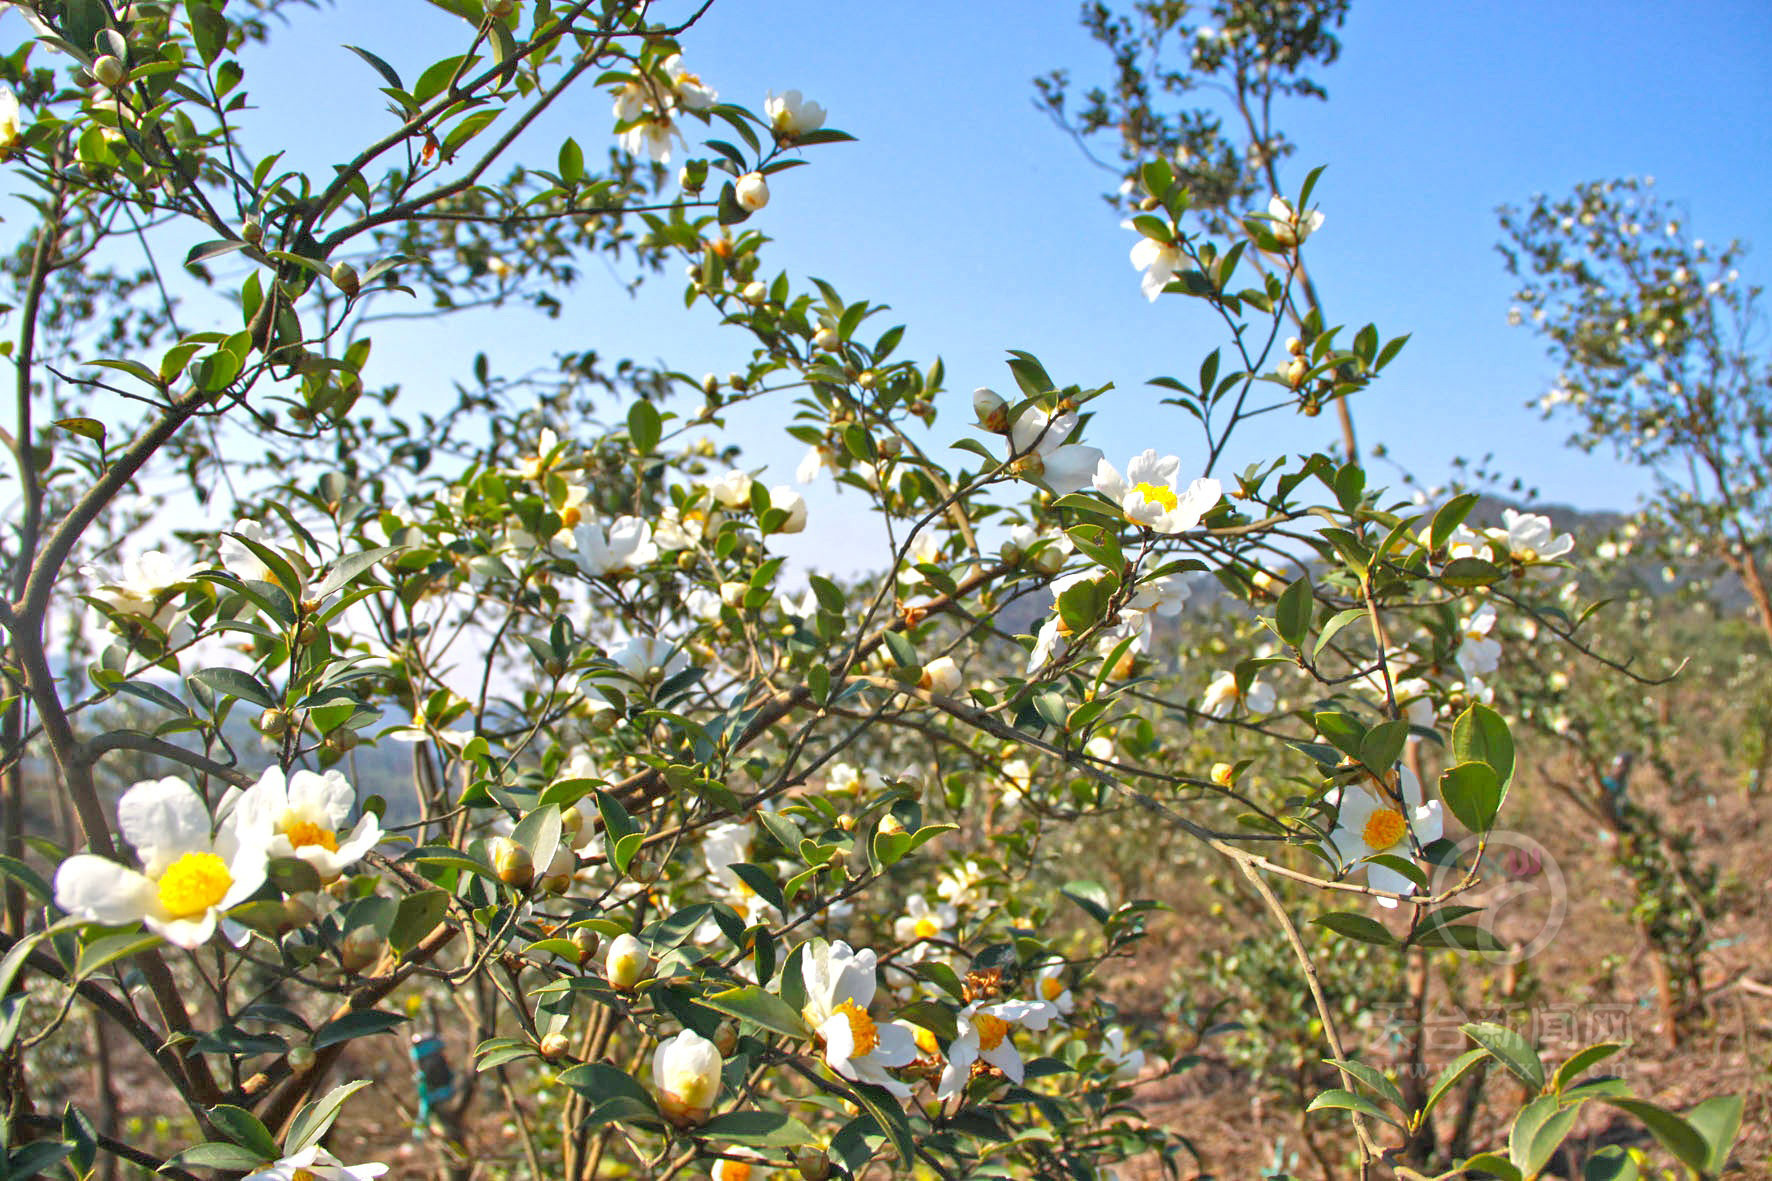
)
(628, 960)
(314, 1163)
(751, 192)
(1366, 823)
(1020, 778)
(803, 608)
(301, 816)
(731, 489)
(791, 114)
(237, 559)
(1529, 537)
(1158, 260)
(961, 885)
(1038, 438)
(146, 578)
(785, 498)
(942, 675)
(691, 93)
(547, 453)
(984, 1028)
(11, 124)
(1222, 696)
(649, 658)
(815, 462)
(703, 603)
(1290, 226)
(921, 921)
(839, 988)
(626, 545)
(187, 880)
(1049, 983)
(1146, 493)
(1478, 653)
(686, 1072)
(1127, 1060)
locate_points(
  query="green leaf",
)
(600, 1081)
(1340, 1100)
(1292, 614)
(349, 567)
(1473, 792)
(1489, 1162)
(1718, 1120)
(1091, 896)
(1353, 925)
(25, 876)
(1382, 745)
(1343, 731)
(760, 1007)
(417, 916)
(1335, 623)
(101, 953)
(86, 428)
(1674, 1133)
(644, 426)
(219, 1154)
(1510, 1049)
(1480, 735)
(758, 1129)
(1450, 517)
(1466, 573)
(1371, 1078)
(381, 67)
(244, 1129)
(1538, 1129)
(1452, 1075)
(362, 1023)
(1611, 1163)
(231, 682)
(1588, 1056)
(314, 1120)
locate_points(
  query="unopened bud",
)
(1222, 773)
(814, 1164)
(751, 191)
(827, 340)
(301, 908)
(628, 961)
(756, 291)
(890, 826)
(554, 1046)
(301, 1059)
(511, 862)
(360, 948)
(109, 71)
(1295, 346)
(726, 1038)
(867, 379)
(344, 275)
(585, 942)
(992, 410)
(1295, 370)
(1049, 560)
(693, 175)
(252, 231)
(274, 723)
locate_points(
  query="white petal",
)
(1108, 481)
(325, 797)
(898, 1044)
(1071, 468)
(163, 818)
(1149, 468)
(100, 889)
(1006, 1059)
(188, 933)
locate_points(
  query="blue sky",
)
(982, 226)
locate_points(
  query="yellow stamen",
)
(571, 515)
(193, 884)
(861, 1029)
(304, 1175)
(927, 927)
(1051, 987)
(1156, 494)
(991, 1030)
(926, 1042)
(304, 833)
(1384, 828)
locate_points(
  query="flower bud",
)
(827, 340)
(1295, 346)
(686, 1072)
(554, 1046)
(274, 723)
(1294, 371)
(252, 231)
(693, 175)
(511, 862)
(752, 191)
(360, 948)
(941, 675)
(572, 823)
(755, 292)
(1049, 560)
(785, 498)
(890, 825)
(585, 942)
(813, 1163)
(501, 9)
(345, 276)
(732, 593)
(628, 961)
(726, 1038)
(557, 879)
(992, 410)
(109, 71)
(1222, 773)
(301, 908)
(300, 1059)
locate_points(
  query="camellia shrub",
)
(507, 718)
